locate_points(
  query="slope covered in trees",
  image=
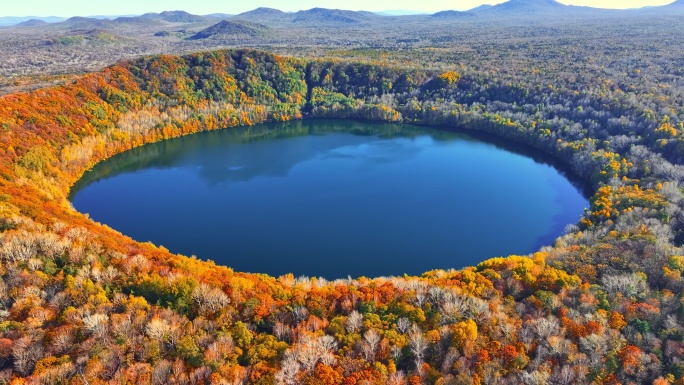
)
(81, 303)
(227, 27)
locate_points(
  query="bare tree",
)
(97, 324)
(449, 360)
(354, 322)
(396, 378)
(62, 339)
(289, 369)
(161, 373)
(369, 346)
(19, 247)
(403, 325)
(208, 299)
(304, 355)
(628, 284)
(418, 345)
(300, 313)
(536, 377)
(26, 353)
(282, 331)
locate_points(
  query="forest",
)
(81, 303)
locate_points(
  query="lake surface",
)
(333, 198)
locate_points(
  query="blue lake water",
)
(333, 198)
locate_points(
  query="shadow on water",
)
(279, 160)
(275, 160)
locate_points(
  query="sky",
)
(67, 8)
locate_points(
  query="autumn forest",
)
(81, 303)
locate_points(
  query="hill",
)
(262, 13)
(234, 28)
(676, 6)
(527, 7)
(14, 20)
(450, 14)
(334, 16)
(78, 22)
(480, 8)
(85, 37)
(32, 23)
(174, 17)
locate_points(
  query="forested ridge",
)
(83, 304)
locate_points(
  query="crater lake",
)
(334, 198)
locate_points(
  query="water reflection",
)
(221, 161)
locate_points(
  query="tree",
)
(354, 322)
(208, 299)
(25, 353)
(418, 345)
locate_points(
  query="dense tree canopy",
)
(81, 303)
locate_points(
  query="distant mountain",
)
(679, 4)
(174, 17)
(6, 21)
(676, 8)
(527, 7)
(451, 14)
(81, 19)
(32, 23)
(262, 12)
(231, 28)
(556, 10)
(335, 16)
(78, 22)
(480, 8)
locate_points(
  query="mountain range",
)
(511, 8)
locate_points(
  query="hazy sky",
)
(122, 7)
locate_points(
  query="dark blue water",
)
(332, 198)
